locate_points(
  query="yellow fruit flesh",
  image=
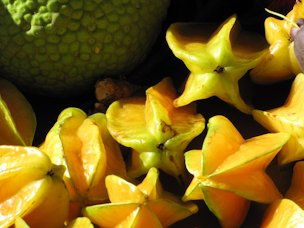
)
(229, 208)
(122, 191)
(141, 217)
(226, 137)
(19, 115)
(53, 209)
(283, 213)
(24, 201)
(169, 212)
(296, 188)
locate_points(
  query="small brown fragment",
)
(109, 90)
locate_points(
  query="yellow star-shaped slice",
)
(142, 205)
(157, 132)
(287, 118)
(229, 171)
(215, 64)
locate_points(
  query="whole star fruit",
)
(60, 48)
(155, 130)
(17, 117)
(287, 118)
(217, 60)
(32, 188)
(279, 62)
(296, 188)
(283, 213)
(84, 146)
(229, 171)
(142, 205)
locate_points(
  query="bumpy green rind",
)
(60, 47)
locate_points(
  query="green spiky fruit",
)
(60, 47)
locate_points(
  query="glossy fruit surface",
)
(84, 146)
(142, 205)
(34, 188)
(229, 171)
(155, 129)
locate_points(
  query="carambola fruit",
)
(84, 146)
(143, 205)
(156, 130)
(32, 188)
(216, 61)
(229, 171)
(287, 118)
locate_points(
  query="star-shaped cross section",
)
(216, 64)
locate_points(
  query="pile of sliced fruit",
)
(105, 169)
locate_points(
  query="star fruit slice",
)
(34, 189)
(17, 118)
(287, 118)
(157, 132)
(142, 205)
(229, 171)
(216, 60)
(84, 146)
(283, 213)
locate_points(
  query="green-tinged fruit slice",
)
(216, 61)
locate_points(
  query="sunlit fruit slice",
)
(33, 188)
(229, 171)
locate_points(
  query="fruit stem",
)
(282, 16)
